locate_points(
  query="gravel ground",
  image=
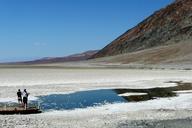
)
(104, 122)
(176, 123)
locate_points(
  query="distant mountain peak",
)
(75, 57)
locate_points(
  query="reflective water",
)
(81, 99)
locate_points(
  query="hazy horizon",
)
(45, 28)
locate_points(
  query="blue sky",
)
(32, 29)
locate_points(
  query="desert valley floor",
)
(157, 113)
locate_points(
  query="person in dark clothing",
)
(19, 96)
(25, 98)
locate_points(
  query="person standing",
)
(19, 96)
(25, 98)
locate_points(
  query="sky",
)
(31, 29)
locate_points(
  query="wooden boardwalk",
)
(19, 110)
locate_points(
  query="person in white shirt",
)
(25, 98)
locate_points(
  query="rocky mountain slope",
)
(169, 25)
(177, 54)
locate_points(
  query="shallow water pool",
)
(81, 99)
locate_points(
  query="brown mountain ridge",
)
(169, 25)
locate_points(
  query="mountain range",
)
(163, 37)
(70, 58)
(166, 34)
